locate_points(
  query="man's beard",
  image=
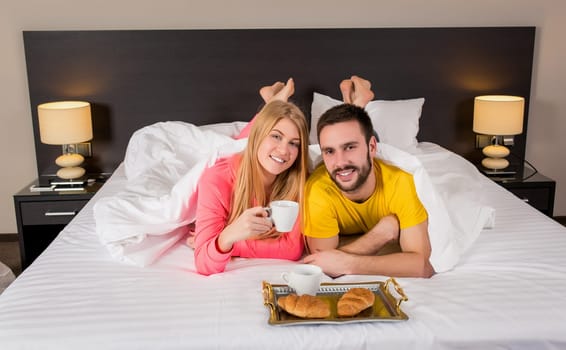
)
(363, 174)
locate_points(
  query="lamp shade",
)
(498, 115)
(65, 122)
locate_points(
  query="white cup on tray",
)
(304, 278)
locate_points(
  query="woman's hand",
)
(254, 223)
(273, 233)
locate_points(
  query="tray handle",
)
(399, 291)
(269, 299)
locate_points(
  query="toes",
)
(290, 87)
(286, 91)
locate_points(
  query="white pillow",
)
(396, 122)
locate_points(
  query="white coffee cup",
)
(304, 278)
(283, 213)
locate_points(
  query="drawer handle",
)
(60, 213)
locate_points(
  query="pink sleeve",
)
(213, 205)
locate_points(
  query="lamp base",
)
(70, 173)
(495, 163)
(69, 163)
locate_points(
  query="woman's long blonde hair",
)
(249, 190)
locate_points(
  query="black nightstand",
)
(42, 215)
(537, 190)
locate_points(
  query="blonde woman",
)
(231, 219)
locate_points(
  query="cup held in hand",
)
(284, 214)
(304, 278)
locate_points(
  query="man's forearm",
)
(404, 264)
(321, 244)
(385, 231)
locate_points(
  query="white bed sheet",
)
(507, 291)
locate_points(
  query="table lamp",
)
(498, 116)
(66, 123)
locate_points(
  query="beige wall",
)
(547, 121)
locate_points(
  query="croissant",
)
(304, 306)
(355, 301)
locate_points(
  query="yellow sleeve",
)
(404, 201)
(320, 219)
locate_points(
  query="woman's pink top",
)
(214, 193)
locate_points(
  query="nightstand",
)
(537, 190)
(42, 215)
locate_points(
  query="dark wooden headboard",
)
(134, 78)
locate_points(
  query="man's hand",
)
(333, 262)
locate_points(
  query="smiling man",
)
(354, 195)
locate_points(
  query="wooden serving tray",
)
(385, 307)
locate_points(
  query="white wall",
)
(547, 120)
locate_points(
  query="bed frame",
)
(134, 78)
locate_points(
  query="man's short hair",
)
(343, 113)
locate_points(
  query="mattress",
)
(507, 291)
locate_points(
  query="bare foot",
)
(285, 92)
(347, 88)
(267, 92)
(362, 93)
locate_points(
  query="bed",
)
(503, 288)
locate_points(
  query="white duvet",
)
(164, 161)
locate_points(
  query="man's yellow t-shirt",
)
(329, 213)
